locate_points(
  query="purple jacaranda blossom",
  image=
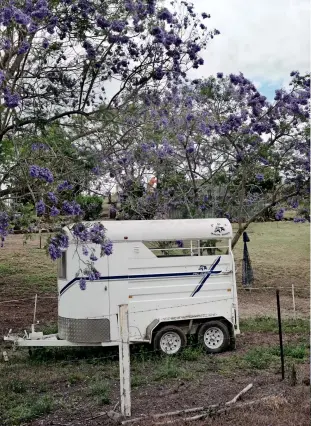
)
(11, 100)
(2, 77)
(6, 44)
(107, 248)
(64, 186)
(45, 43)
(82, 283)
(4, 227)
(71, 208)
(179, 243)
(40, 208)
(93, 258)
(23, 48)
(41, 173)
(54, 211)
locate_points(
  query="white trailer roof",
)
(169, 230)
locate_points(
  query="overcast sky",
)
(265, 39)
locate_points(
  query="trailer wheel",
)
(214, 336)
(170, 340)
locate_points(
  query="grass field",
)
(279, 253)
(69, 386)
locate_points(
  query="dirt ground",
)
(213, 380)
(161, 387)
(211, 390)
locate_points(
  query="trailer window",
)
(214, 247)
(169, 248)
(188, 247)
(62, 266)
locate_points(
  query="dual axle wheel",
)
(213, 336)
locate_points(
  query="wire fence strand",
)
(248, 289)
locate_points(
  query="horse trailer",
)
(176, 276)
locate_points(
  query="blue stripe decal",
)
(206, 276)
(146, 276)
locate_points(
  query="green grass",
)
(8, 269)
(267, 324)
(51, 328)
(137, 380)
(82, 354)
(31, 387)
(100, 389)
(192, 353)
(279, 252)
(258, 358)
(16, 386)
(297, 352)
(171, 368)
(75, 378)
(264, 358)
(261, 358)
(24, 268)
(29, 410)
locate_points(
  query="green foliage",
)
(65, 160)
(50, 329)
(6, 151)
(91, 205)
(24, 215)
(209, 247)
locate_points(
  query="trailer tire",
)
(169, 340)
(214, 336)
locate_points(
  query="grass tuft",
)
(192, 353)
(171, 368)
(30, 410)
(101, 391)
(137, 380)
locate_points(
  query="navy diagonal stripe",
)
(206, 276)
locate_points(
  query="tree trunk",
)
(238, 234)
(243, 227)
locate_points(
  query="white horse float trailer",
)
(176, 276)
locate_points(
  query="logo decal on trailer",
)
(206, 275)
(220, 230)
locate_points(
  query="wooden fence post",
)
(280, 332)
(294, 302)
(124, 361)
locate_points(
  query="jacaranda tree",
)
(218, 145)
(58, 60)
